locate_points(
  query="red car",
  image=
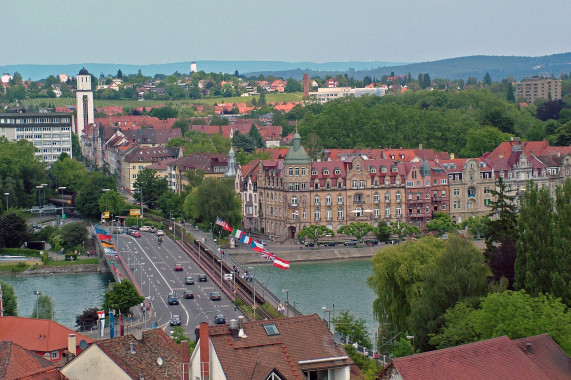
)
(136, 234)
(178, 267)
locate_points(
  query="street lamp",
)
(326, 310)
(254, 287)
(105, 191)
(6, 194)
(61, 189)
(411, 337)
(37, 293)
(286, 291)
(39, 187)
(44, 186)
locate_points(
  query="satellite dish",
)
(83, 344)
(336, 337)
(160, 361)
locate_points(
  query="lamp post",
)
(328, 311)
(105, 191)
(39, 187)
(37, 293)
(174, 227)
(286, 291)
(44, 185)
(61, 189)
(6, 194)
(411, 337)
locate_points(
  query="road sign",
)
(228, 276)
(63, 216)
(105, 214)
(101, 314)
(134, 211)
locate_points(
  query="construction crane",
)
(394, 78)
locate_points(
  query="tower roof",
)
(297, 154)
(83, 72)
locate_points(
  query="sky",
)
(166, 31)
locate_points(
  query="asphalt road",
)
(153, 265)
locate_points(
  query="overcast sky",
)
(165, 31)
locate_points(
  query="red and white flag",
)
(280, 263)
(223, 224)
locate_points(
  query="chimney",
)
(452, 156)
(72, 344)
(419, 146)
(184, 360)
(234, 328)
(528, 348)
(204, 351)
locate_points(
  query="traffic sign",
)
(134, 211)
(101, 314)
(228, 276)
(105, 214)
(63, 216)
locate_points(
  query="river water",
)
(338, 286)
(71, 293)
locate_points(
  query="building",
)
(324, 95)
(43, 337)
(84, 101)
(138, 158)
(531, 89)
(533, 358)
(153, 357)
(246, 185)
(208, 164)
(49, 132)
(285, 348)
(18, 363)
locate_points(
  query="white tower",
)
(193, 67)
(84, 100)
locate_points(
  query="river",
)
(71, 293)
(338, 286)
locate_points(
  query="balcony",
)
(358, 202)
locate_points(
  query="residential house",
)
(533, 358)
(17, 363)
(43, 337)
(138, 159)
(153, 357)
(211, 165)
(246, 185)
(285, 348)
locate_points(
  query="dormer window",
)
(337, 171)
(325, 171)
(358, 167)
(373, 170)
(313, 171)
(383, 169)
(394, 169)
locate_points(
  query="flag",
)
(245, 239)
(257, 246)
(104, 237)
(107, 245)
(223, 224)
(237, 233)
(280, 263)
(100, 231)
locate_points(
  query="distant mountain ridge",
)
(498, 67)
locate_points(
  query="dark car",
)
(188, 294)
(330, 243)
(350, 242)
(202, 278)
(215, 296)
(173, 299)
(189, 280)
(175, 320)
(134, 228)
(178, 267)
(309, 244)
(219, 319)
(371, 242)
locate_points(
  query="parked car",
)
(350, 242)
(130, 231)
(188, 294)
(371, 242)
(330, 243)
(172, 299)
(202, 278)
(196, 228)
(136, 234)
(309, 244)
(145, 229)
(160, 233)
(36, 226)
(219, 319)
(178, 267)
(189, 280)
(215, 296)
(134, 228)
(175, 320)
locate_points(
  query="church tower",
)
(84, 101)
(231, 169)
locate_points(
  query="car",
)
(309, 244)
(130, 231)
(175, 320)
(160, 233)
(371, 242)
(188, 294)
(196, 228)
(330, 243)
(134, 228)
(36, 226)
(215, 296)
(202, 278)
(173, 299)
(136, 234)
(219, 319)
(144, 228)
(152, 230)
(178, 267)
(189, 280)
(350, 242)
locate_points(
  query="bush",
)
(20, 252)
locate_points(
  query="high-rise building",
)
(538, 88)
(84, 101)
(193, 68)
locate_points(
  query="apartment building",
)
(531, 89)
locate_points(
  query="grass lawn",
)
(14, 267)
(60, 263)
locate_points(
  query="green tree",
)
(441, 223)
(383, 231)
(43, 307)
(482, 140)
(164, 113)
(205, 208)
(459, 273)
(501, 234)
(515, 314)
(543, 263)
(87, 199)
(476, 225)
(178, 335)
(356, 229)
(563, 134)
(398, 272)
(510, 97)
(348, 325)
(314, 232)
(13, 230)
(73, 235)
(292, 85)
(122, 298)
(9, 299)
(487, 80)
(112, 201)
(151, 185)
(255, 136)
(402, 230)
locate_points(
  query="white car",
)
(145, 229)
(160, 233)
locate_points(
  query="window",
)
(339, 184)
(302, 171)
(387, 212)
(373, 170)
(358, 198)
(456, 191)
(294, 201)
(325, 171)
(387, 197)
(383, 169)
(328, 199)
(296, 171)
(313, 171)
(398, 212)
(471, 192)
(455, 204)
(304, 214)
(294, 214)
(328, 184)
(358, 167)
(376, 212)
(397, 196)
(317, 214)
(444, 207)
(337, 171)
(354, 184)
(376, 198)
(55, 355)
(470, 205)
(271, 329)
(358, 211)
(290, 171)
(340, 214)
(443, 193)
(340, 199)
(290, 186)
(328, 214)
(316, 184)
(409, 184)
(316, 200)
(443, 181)
(486, 190)
(297, 186)
(361, 184)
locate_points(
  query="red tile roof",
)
(18, 363)
(547, 355)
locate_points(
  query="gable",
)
(93, 363)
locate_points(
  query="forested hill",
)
(499, 67)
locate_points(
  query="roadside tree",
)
(73, 236)
(68, 172)
(441, 223)
(87, 199)
(402, 230)
(214, 198)
(87, 320)
(9, 299)
(148, 187)
(112, 201)
(13, 230)
(352, 327)
(122, 298)
(383, 231)
(314, 232)
(356, 229)
(476, 225)
(43, 307)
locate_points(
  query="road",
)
(153, 265)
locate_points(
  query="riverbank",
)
(41, 270)
(305, 255)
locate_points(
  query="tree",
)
(497, 117)
(563, 134)
(476, 225)
(356, 229)
(482, 140)
(119, 74)
(151, 185)
(403, 347)
(243, 142)
(87, 199)
(9, 299)
(13, 230)
(255, 136)
(292, 85)
(348, 325)
(122, 298)
(87, 320)
(214, 198)
(515, 314)
(314, 232)
(383, 231)
(510, 97)
(43, 307)
(543, 263)
(73, 235)
(501, 234)
(112, 201)
(398, 272)
(459, 273)
(164, 113)
(402, 230)
(441, 223)
(487, 80)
